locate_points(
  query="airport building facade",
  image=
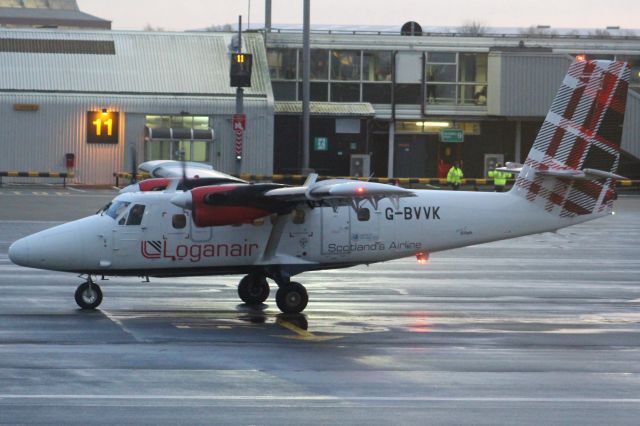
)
(411, 105)
(382, 104)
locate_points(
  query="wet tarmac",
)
(543, 329)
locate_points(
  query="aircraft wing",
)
(337, 192)
(233, 203)
(174, 169)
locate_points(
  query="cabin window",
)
(135, 215)
(364, 214)
(179, 221)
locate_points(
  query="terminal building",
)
(383, 103)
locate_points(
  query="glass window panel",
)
(473, 67)
(407, 94)
(153, 121)
(441, 73)
(284, 91)
(345, 92)
(319, 92)
(472, 94)
(376, 93)
(376, 66)
(319, 69)
(200, 151)
(441, 93)
(201, 123)
(158, 150)
(442, 57)
(345, 65)
(282, 63)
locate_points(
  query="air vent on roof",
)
(78, 47)
(411, 28)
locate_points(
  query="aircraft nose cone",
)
(19, 252)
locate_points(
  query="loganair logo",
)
(151, 249)
(196, 252)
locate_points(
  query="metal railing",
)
(61, 175)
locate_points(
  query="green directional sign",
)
(452, 135)
(321, 144)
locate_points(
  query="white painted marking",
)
(121, 325)
(321, 398)
(33, 221)
(75, 189)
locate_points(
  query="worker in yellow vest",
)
(499, 178)
(455, 175)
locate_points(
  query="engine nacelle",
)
(157, 184)
(224, 205)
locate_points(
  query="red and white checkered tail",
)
(581, 133)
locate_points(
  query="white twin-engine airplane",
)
(190, 220)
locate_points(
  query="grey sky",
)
(189, 14)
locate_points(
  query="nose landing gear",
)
(88, 295)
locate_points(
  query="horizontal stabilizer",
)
(585, 174)
(510, 168)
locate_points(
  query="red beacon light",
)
(422, 258)
(360, 190)
(581, 58)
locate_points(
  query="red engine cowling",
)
(226, 212)
(158, 184)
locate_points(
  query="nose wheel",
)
(88, 295)
(253, 289)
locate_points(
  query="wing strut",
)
(274, 237)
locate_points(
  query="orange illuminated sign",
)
(102, 127)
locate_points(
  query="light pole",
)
(306, 67)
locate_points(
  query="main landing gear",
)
(291, 296)
(88, 295)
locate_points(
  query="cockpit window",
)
(117, 208)
(104, 209)
(135, 215)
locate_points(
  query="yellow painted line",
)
(303, 334)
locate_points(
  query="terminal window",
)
(166, 147)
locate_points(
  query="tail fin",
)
(581, 133)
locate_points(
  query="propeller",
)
(134, 165)
(183, 163)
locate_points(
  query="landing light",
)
(422, 258)
(581, 58)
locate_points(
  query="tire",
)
(253, 289)
(88, 298)
(292, 299)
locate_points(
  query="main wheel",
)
(253, 289)
(292, 299)
(88, 296)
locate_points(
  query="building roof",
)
(181, 64)
(49, 13)
(40, 4)
(346, 109)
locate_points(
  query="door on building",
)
(414, 156)
(448, 153)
